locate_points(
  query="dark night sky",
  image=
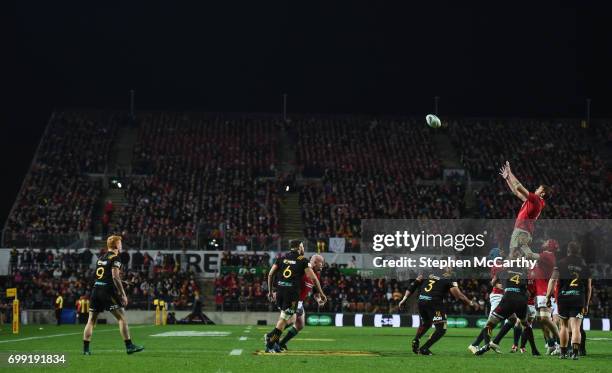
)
(514, 59)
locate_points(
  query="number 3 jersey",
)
(573, 276)
(104, 266)
(433, 289)
(291, 269)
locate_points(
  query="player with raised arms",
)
(298, 321)
(574, 278)
(291, 268)
(432, 289)
(108, 294)
(533, 204)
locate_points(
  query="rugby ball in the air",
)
(433, 121)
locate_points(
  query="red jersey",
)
(494, 271)
(543, 271)
(529, 213)
(307, 286)
(532, 294)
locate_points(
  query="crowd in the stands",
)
(566, 155)
(57, 197)
(199, 172)
(41, 275)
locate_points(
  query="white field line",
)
(67, 334)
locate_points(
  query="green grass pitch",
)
(218, 348)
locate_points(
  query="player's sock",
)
(435, 337)
(563, 350)
(479, 338)
(528, 332)
(291, 332)
(502, 333)
(487, 335)
(575, 350)
(524, 338)
(274, 336)
(582, 341)
(128, 343)
(422, 330)
(85, 346)
(517, 334)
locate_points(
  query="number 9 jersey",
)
(104, 295)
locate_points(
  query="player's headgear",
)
(551, 245)
(494, 253)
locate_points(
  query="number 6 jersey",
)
(291, 269)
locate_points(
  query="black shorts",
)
(104, 298)
(287, 299)
(571, 306)
(512, 303)
(431, 313)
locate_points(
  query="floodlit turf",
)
(321, 349)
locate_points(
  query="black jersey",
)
(433, 288)
(573, 276)
(290, 270)
(514, 279)
(104, 266)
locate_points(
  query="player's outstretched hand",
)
(503, 171)
(585, 310)
(548, 302)
(124, 300)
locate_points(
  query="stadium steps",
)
(286, 153)
(291, 217)
(121, 156)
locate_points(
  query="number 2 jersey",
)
(291, 269)
(104, 269)
(573, 276)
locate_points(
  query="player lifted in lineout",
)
(108, 295)
(432, 290)
(533, 204)
(298, 321)
(574, 278)
(291, 268)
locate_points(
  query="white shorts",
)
(520, 237)
(300, 309)
(494, 300)
(531, 311)
(540, 301)
(555, 309)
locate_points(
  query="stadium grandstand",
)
(241, 185)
